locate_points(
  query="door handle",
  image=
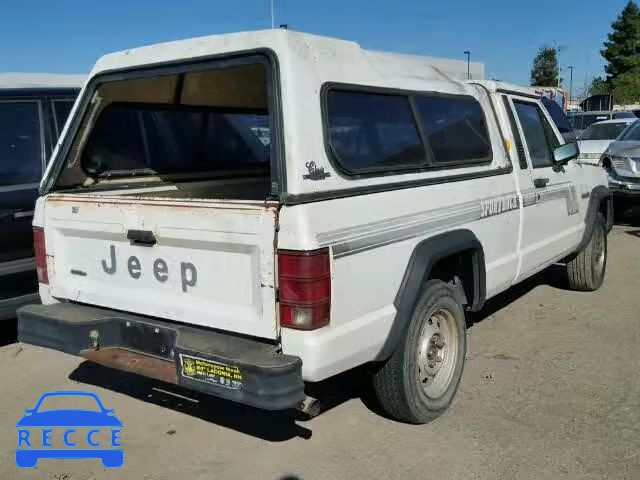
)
(540, 182)
(141, 237)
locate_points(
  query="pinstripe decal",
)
(358, 238)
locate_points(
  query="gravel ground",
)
(551, 389)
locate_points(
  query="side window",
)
(20, 143)
(576, 121)
(370, 132)
(537, 133)
(522, 159)
(61, 110)
(560, 119)
(448, 120)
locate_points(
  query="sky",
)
(67, 36)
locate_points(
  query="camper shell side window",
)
(373, 131)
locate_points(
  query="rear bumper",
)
(227, 366)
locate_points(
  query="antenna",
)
(558, 47)
(273, 17)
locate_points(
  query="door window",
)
(20, 143)
(61, 110)
(541, 140)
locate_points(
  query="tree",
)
(626, 88)
(622, 50)
(598, 86)
(545, 68)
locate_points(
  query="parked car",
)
(33, 110)
(560, 119)
(176, 240)
(583, 120)
(622, 162)
(595, 140)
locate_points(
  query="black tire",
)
(398, 384)
(587, 269)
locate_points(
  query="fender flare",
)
(423, 258)
(598, 194)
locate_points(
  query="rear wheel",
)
(419, 381)
(586, 270)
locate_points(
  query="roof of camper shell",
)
(294, 48)
(305, 64)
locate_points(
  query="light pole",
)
(558, 49)
(273, 17)
(570, 67)
(468, 54)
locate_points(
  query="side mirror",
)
(564, 153)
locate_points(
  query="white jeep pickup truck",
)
(241, 214)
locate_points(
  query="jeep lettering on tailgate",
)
(188, 272)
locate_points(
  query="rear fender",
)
(425, 255)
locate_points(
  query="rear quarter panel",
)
(372, 238)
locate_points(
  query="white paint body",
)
(234, 244)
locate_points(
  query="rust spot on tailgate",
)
(133, 362)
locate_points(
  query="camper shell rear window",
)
(207, 122)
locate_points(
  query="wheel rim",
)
(438, 352)
(599, 251)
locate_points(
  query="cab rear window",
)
(157, 139)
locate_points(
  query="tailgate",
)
(198, 262)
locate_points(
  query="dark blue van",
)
(33, 111)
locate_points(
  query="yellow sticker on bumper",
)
(208, 371)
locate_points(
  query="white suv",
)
(244, 213)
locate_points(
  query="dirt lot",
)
(551, 390)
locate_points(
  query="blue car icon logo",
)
(36, 429)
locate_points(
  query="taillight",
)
(304, 282)
(41, 254)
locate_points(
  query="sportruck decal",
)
(358, 238)
(497, 205)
